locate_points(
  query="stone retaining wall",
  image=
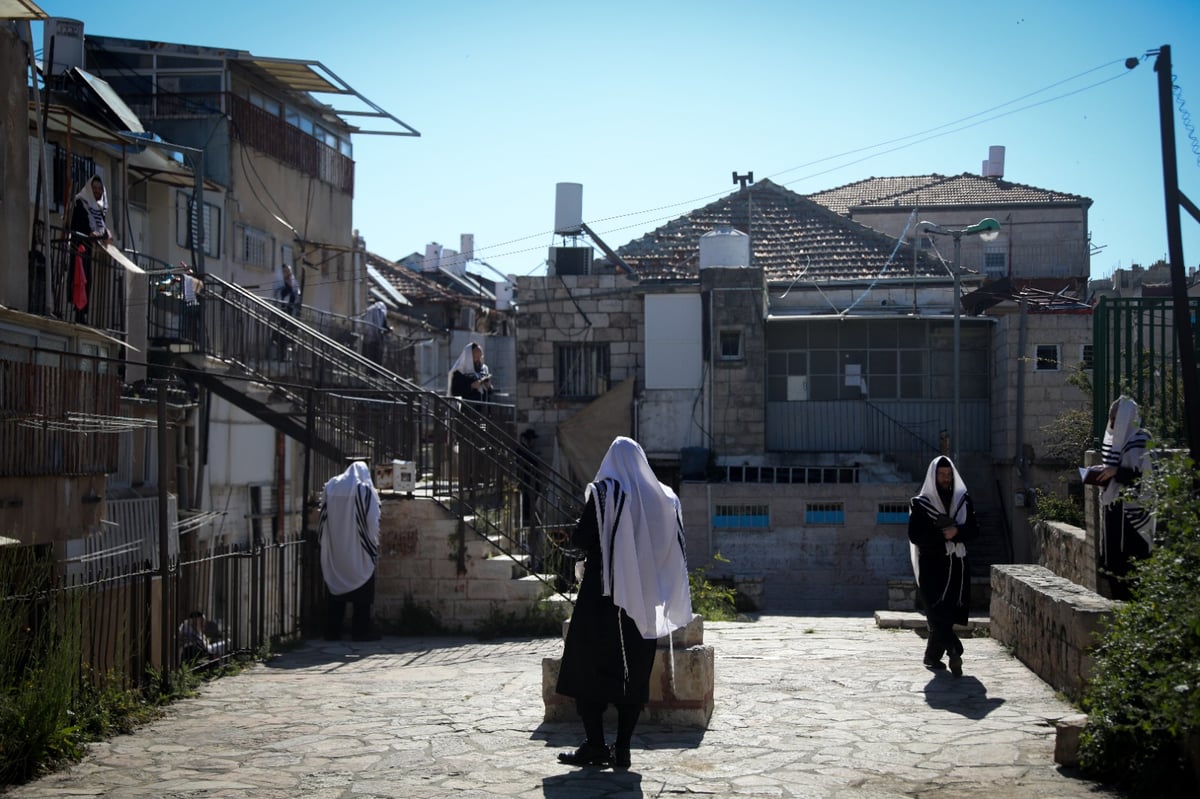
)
(1067, 551)
(1049, 622)
(418, 545)
(681, 690)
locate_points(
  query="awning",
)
(21, 9)
(120, 258)
(586, 436)
(313, 77)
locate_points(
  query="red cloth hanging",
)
(79, 297)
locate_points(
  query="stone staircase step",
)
(911, 620)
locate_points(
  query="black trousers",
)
(942, 638)
(335, 610)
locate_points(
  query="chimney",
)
(993, 167)
(433, 257)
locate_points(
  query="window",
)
(995, 262)
(581, 370)
(892, 513)
(1086, 357)
(820, 513)
(741, 517)
(185, 225)
(1046, 358)
(256, 247)
(731, 344)
(884, 359)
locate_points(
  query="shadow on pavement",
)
(966, 695)
(588, 782)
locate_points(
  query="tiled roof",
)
(863, 192)
(419, 289)
(930, 191)
(789, 234)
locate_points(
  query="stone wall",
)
(681, 689)
(418, 543)
(1049, 622)
(802, 567)
(1065, 550)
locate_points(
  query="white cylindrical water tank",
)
(724, 247)
(64, 38)
(568, 209)
(433, 257)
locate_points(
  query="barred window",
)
(731, 344)
(1086, 357)
(741, 517)
(817, 513)
(581, 370)
(186, 225)
(892, 513)
(1046, 356)
(257, 247)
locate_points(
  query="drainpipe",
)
(1022, 338)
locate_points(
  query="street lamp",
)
(987, 230)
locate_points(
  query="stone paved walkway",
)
(805, 707)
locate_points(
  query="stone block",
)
(1067, 732)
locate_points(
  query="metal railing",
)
(1136, 353)
(342, 405)
(86, 285)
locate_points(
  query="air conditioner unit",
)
(570, 261)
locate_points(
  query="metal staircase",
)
(340, 405)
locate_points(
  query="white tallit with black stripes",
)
(641, 540)
(97, 209)
(349, 529)
(1126, 446)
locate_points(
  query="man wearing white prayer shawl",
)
(349, 532)
(634, 591)
(941, 521)
(1126, 524)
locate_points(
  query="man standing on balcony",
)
(349, 532)
(470, 378)
(88, 225)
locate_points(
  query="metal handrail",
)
(468, 460)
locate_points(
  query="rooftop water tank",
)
(64, 38)
(568, 209)
(724, 247)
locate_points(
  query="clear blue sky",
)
(652, 105)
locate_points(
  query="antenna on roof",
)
(743, 179)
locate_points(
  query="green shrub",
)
(1143, 700)
(536, 621)
(713, 601)
(1053, 508)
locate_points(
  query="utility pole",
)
(1174, 198)
(164, 537)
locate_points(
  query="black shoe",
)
(934, 664)
(586, 755)
(956, 665)
(620, 756)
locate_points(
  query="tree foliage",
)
(1143, 699)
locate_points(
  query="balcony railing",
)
(86, 285)
(53, 408)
